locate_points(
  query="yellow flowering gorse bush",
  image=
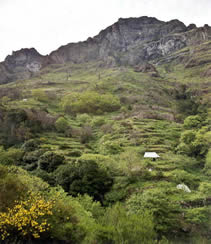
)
(26, 218)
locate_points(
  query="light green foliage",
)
(205, 188)
(98, 121)
(40, 95)
(90, 102)
(207, 167)
(62, 124)
(157, 201)
(109, 146)
(194, 142)
(197, 215)
(4, 101)
(90, 205)
(84, 118)
(193, 121)
(123, 227)
(104, 161)
(182, 176)
(70, 220)
(132, 163)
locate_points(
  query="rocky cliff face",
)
(21, 64)
(130, 41)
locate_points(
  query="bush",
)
(121, 227)
(109, 146)
(90, 102)
(11, 156)
(31, 145)
(207, 165)
(84, 177)
(182, 176)
(74, 153)
(157, 201)
(98, 121)
(191, 122)
(40, 95)
(83, 118)
(62, 124)
(27, 218)
(49, 161)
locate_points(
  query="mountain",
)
(75, 126)
(130, 41)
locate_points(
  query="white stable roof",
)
(151, 155)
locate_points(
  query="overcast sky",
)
(48, 24)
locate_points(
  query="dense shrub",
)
(62, 124)
(83, 118)
(207, 167)
(90, 102)
(122, 227)
(194, 121)
(31, 145)
(40, 95)
(11, 156)
(165, 211)
(84, 177)
(49, 161)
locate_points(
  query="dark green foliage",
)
(50, 161)
(31, 145)
(187, 103)
(84, 177)
(75, 153)
(11, 156)
(44, 175)
(12, 127)
(11, 188)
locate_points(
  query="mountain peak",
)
(129, 41)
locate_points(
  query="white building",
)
(152, 155)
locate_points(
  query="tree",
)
(49, 161)
(84, 177)
(62, 124)
(157, 201)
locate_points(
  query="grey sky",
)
(48, 24)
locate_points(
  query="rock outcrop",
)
(145, 68)
(130, 41)
(21, 64)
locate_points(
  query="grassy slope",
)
(133, 129)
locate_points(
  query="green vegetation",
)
(74, 151)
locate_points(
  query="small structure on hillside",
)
(183, 187)
(152, 155)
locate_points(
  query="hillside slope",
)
(79, 121)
